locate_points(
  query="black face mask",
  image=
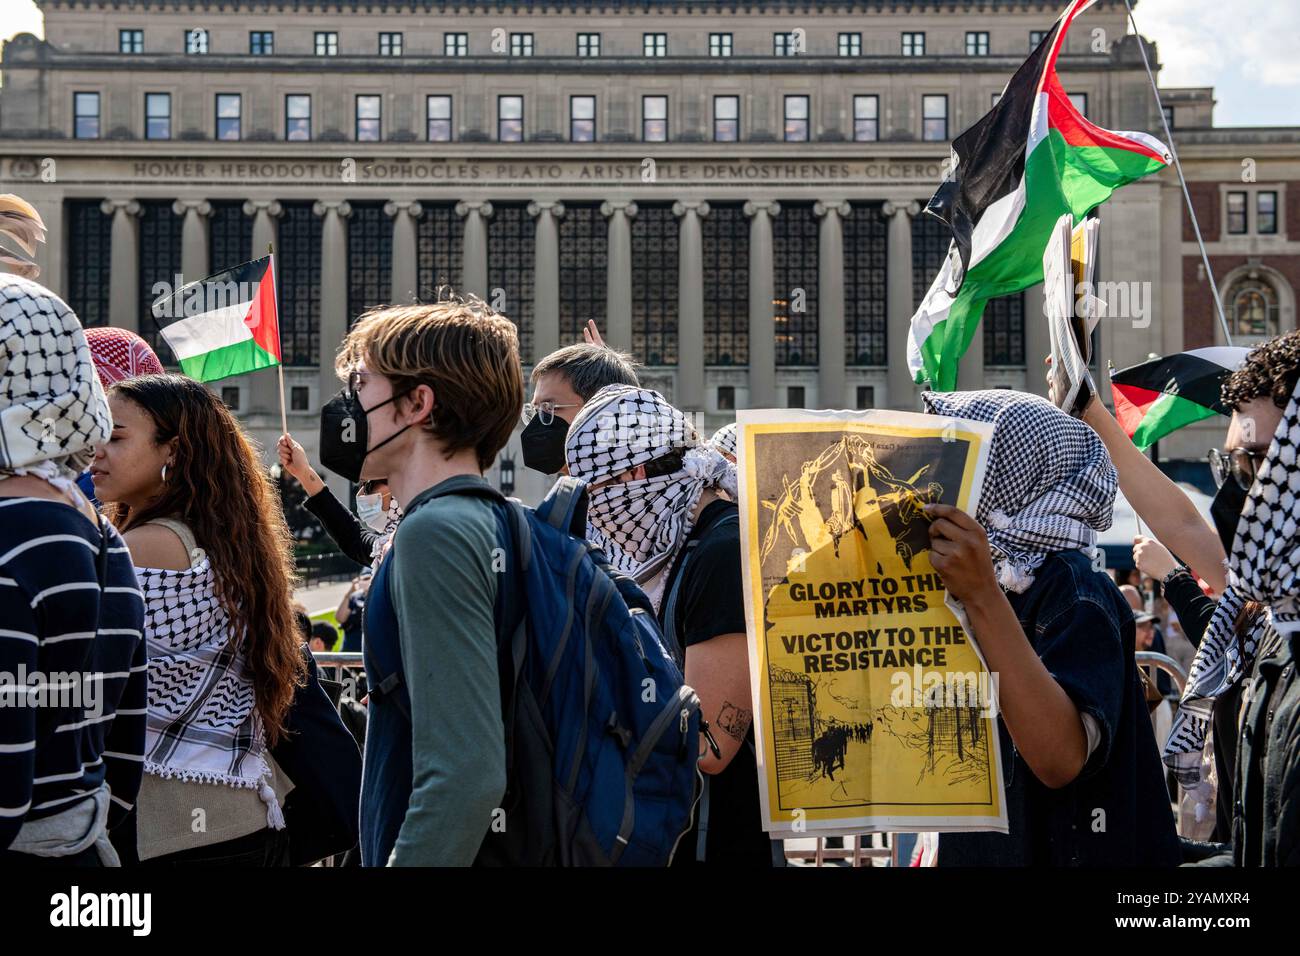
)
(1226, 511)
(345, 434)
(543, 445)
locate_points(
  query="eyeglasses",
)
(353, 384)
(1241, 463)
(545, 409)
(372, 486)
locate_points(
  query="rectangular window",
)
(1169, 116)
(866, 118)
(913, 44)
(369, 118)
(934, 118)
(654, 119)
(850, 44)
(510, 119)
(588, 44)
(1266, 213)
(582, 119)
(654, 44)
(438, 117)
(785, 44)
(521, 44)
(299, 395)
(977, 43)
(130, 41)
(794, 396)
(327, 43)
(1080, 101)
(157, 116)
(85, 115)
(719, 44)
(455, 44)
(196, 41)
(1236, 214)
(726, 119)
(726, 398)
(261, 42)
(297, 117)
(1036, 37)
(390, 44)
(796, 119)
(230, 397)
(866, 396)
(229, 107)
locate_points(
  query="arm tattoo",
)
(734, 720)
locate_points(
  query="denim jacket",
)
(1117, 811)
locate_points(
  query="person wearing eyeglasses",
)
(562, 383)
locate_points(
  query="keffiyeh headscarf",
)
(641, 525)
(1049, 486)
(724, 439)
(120, 354)
(1265, 567)
(52, 407)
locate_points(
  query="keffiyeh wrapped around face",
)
(1050, 485)
(724, 440)
(1264, 566)
(52, 406)
(641, 525)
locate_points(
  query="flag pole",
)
(1173, 151)
(279, 367)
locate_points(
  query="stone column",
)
(830, 303)
(264, 387)
(475, 253)
(124, 279)
(762, 329)
(333, 286)
(690, 305)
(900, 306)
(618, 296)
(546, 279)
(195, 256)
(406, 282)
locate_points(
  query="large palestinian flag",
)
(223, 325)
(1029, 161)
(1160, 396)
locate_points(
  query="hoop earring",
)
(164, 474)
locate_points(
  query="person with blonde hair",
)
(432, 395)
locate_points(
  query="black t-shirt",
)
(711, 602)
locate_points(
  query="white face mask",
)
(370, 509)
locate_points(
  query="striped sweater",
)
(72, 690)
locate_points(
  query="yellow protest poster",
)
(873, 709)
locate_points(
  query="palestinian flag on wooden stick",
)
(1028, 162)
(223, 325)
(1160, 396)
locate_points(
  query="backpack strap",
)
(670, 600)
(565, 506)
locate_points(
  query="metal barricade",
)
(1151, 661)
(338, 663)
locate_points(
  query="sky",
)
(1245, 51)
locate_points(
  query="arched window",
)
(1253, 309)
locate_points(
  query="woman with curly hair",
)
(212, 551)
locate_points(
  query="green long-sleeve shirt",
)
(444, 589)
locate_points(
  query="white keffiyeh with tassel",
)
(202, 724)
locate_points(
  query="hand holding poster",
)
(873, 709)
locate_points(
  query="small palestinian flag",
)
(1160, 396)
(223, 325)
(1028, 162)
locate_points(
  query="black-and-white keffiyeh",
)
(52, 407)
(1265, 567)
(641, 525)
(202, 724)
(1049, 485)
(724, 439)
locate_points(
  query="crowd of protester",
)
(175, 715)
